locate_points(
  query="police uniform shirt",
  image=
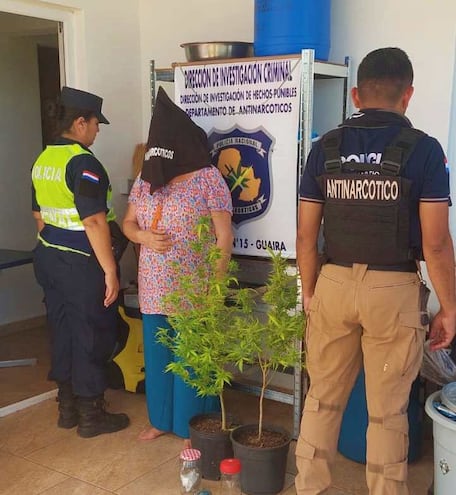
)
(365, 136)
(87, 179)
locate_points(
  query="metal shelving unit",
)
(323, 105)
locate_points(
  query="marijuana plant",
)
(272, 342)
(209, 322)
(216, 326)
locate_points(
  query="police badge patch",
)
(243, 158)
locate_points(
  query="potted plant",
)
(272, 344)
(210, 319)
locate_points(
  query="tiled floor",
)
(19, 383)
(36, 457)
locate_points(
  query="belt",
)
(409, 266)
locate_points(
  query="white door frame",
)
(73, 59)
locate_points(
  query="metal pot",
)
(214, 50)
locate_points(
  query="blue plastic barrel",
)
(352, 438)
(284, 27)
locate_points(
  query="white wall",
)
(425, 29)
(165, 25)
(452, 146)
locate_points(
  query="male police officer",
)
(75, 265)
(382, 188)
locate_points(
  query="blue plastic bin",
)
(285, 27)
(352, 438)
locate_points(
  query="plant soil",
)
(211, 425)
(269, 439)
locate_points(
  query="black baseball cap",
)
(75, 98)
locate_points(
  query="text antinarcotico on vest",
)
(362, 188)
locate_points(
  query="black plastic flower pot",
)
(263, 469)
(213, 445)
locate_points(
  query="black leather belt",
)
(409, 266)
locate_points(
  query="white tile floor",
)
(37, 458)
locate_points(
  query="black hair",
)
(67, 115)
(384, 74)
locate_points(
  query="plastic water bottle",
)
(190, 471)
(230, 477)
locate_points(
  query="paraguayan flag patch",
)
(86, 174)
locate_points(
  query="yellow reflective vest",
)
(55, 199)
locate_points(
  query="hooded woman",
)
(176, 188)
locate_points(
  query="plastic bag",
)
(438, 367)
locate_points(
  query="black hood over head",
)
(176, 145)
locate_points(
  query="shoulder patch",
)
(90, 176)
(89, 189)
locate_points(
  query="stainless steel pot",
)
(214, 50)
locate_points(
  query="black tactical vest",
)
(367, 206)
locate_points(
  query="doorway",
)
(29, 87)
(49, 82)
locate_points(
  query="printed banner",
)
(250, 112)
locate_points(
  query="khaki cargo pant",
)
(360, 316)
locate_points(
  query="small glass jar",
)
(230, 477)
(190, 471)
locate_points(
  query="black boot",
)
(94, 420)
(68, 414)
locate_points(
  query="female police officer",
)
(75, 266)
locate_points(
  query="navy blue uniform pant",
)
(83, 331)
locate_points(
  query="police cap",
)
(75, 98)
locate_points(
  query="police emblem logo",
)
(243, 158)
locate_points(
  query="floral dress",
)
(183, 204)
